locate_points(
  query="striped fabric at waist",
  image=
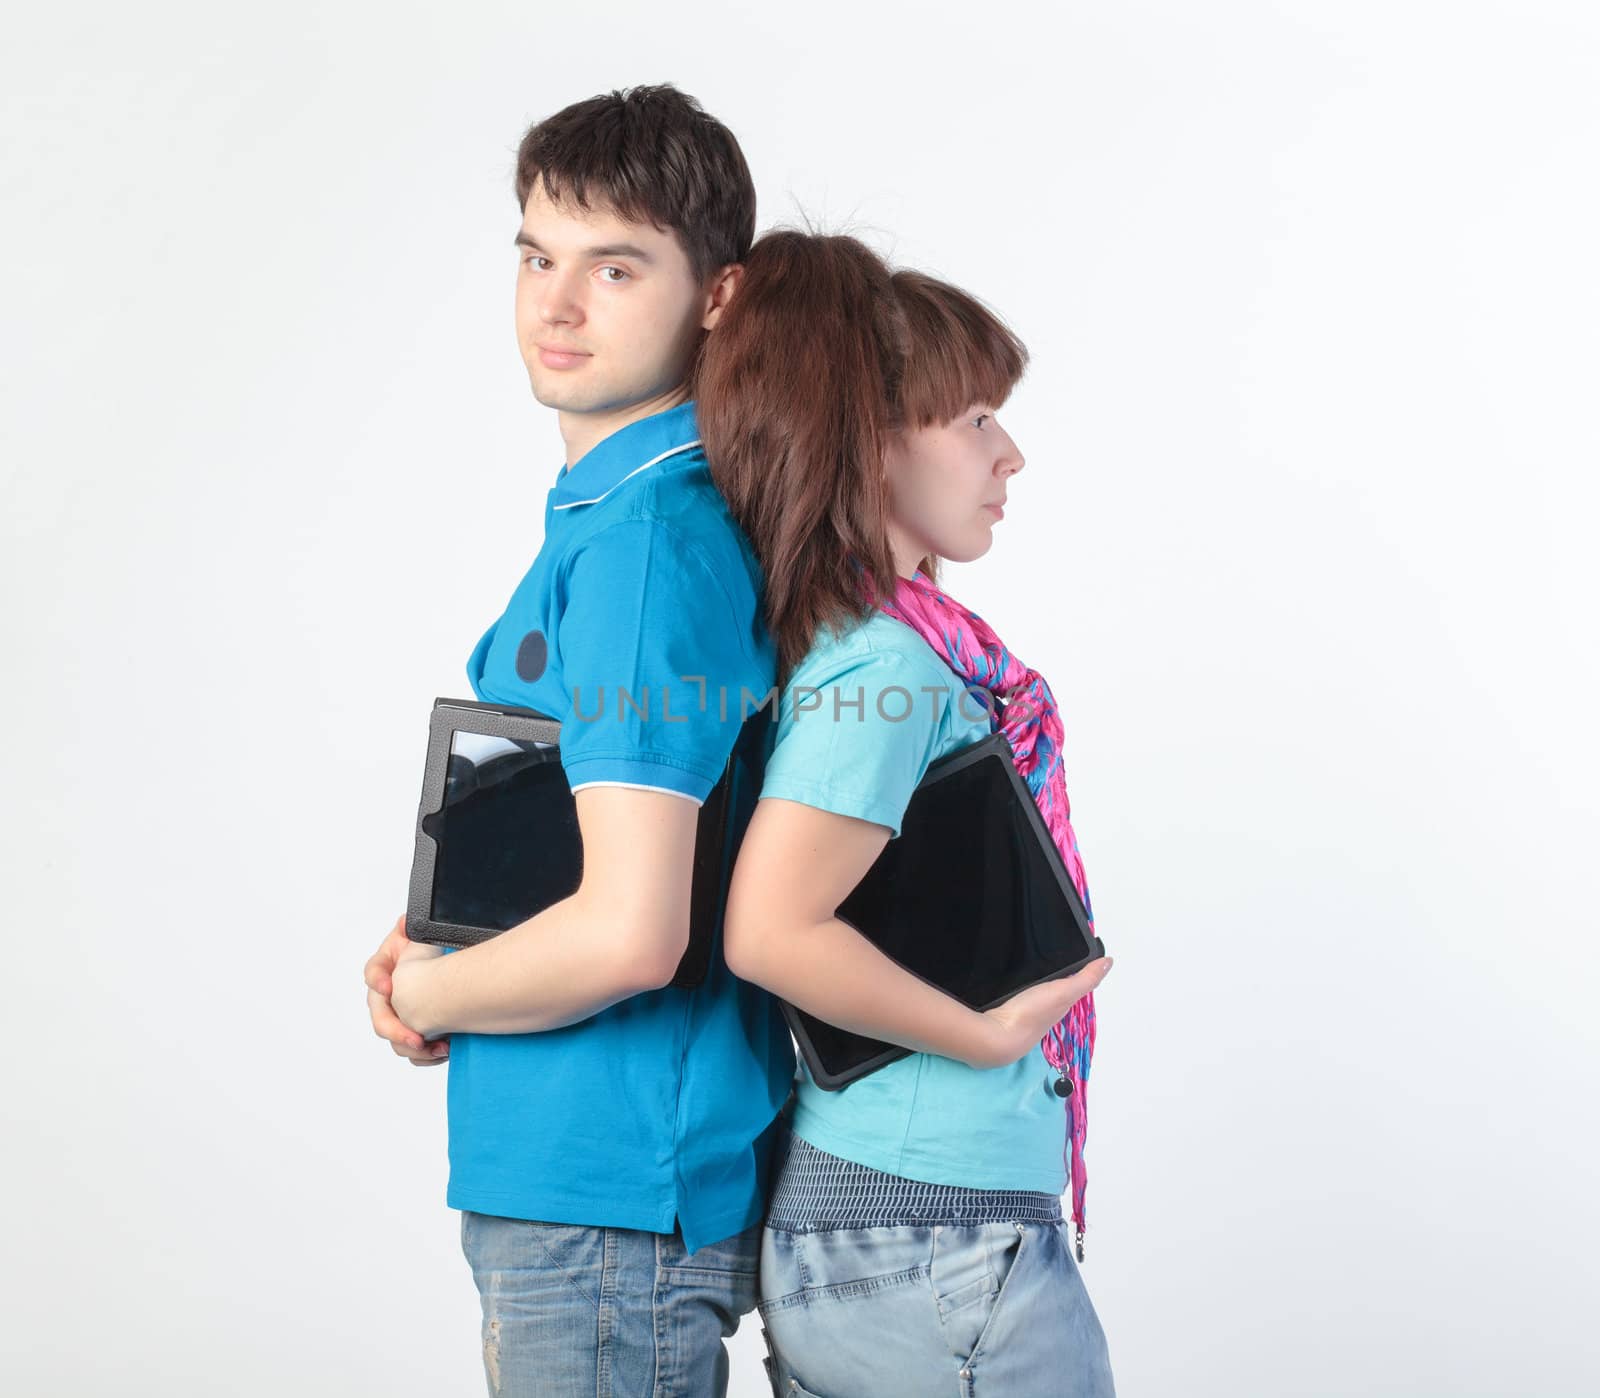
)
(814, 1190)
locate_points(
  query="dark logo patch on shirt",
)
(532, 656)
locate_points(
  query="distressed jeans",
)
(968, 1310)
(571, 1311)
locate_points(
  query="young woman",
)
(913, 1243)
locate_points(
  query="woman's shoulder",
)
(879, 645)
(857, 727)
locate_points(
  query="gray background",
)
(1302, 546)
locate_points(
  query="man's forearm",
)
(831, 971)
(570, 961)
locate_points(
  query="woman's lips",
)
(999, 510)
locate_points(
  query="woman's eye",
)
(981, 419)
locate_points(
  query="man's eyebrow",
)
(526, 240)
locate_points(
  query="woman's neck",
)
(908, 553)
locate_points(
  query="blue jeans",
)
(972, 1310)
(571, 1311)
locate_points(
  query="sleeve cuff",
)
(638, 770)
(840, 803)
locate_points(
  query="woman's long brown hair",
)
(820, 356)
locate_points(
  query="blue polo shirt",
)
(639, 626)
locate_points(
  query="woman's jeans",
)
(571, 1311)
(974, 1310)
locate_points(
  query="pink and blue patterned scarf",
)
(1022, 707)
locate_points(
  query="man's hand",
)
(386, 1024)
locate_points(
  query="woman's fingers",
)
(1052, 999)
(1092, 974)
(1074, 987)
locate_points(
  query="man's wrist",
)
(417, 999)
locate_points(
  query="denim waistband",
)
(814, 1190)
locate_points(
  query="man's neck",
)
(581, 432)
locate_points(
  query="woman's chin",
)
(973, 549)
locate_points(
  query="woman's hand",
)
(1022, 1021)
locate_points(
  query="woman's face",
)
(946, 484)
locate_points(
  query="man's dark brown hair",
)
(649, 155)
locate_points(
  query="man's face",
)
(608, 312)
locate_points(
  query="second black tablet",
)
(972, 897)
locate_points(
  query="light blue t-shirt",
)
(925, 1117)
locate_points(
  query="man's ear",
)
(723, 285)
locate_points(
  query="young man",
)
(610, 1133)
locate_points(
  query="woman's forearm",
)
(831, 971)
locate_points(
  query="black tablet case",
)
(498, 842)
(972, 897)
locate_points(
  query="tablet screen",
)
(507, 834)
(972, 897)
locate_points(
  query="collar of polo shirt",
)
(624, 454)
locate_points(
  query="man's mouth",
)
(557, 357)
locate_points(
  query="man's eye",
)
(980, 419)
(535, 257)
(621, 275)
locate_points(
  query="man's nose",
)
(559, 302)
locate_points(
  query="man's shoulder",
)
(682, 493)
(685, 509)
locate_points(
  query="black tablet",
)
(497, 835)
(973, 897)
